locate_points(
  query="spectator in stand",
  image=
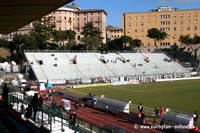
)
(140, 108)
(74, 60)
(35, 106)
(195, 117)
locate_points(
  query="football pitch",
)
(178, 95)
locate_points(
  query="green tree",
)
(44, 24)
(115, 44)
(4, 43)
(126, 40)
(193, 43)
(136, 43)
(63, 36)
(91, 37)
(156, 35)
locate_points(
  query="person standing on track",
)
(76, 106)
(195, 117)
(140, 108)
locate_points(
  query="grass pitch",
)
(179, 95)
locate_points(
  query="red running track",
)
(102, 119)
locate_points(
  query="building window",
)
(188, 28)
(181, 16)
(188, 15)
(79, 37)
(195, 14)
(174, 28)
(174, 36)
(142, 30)
(181, 28)
(174, 16)
(195, 28)
(174, 22)
(142, 17)
(129, 24)
(135, 30)
(135, 24)
(129, 18)
(142, 24)
(129, 31)
(195, 21)
(181, 22)
(187, 22)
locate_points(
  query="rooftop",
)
(92, 10)
(163, 9)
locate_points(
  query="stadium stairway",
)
(78, 69)
(40, 74)
(97, 55)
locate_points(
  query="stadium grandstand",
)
(60, 67)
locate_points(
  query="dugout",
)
(179, 121)
(113, 105)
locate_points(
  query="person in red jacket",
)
(162, 111)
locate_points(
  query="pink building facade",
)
(71, 18)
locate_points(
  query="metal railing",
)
(47, 116)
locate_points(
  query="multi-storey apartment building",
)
(64, 18)
(173, 21)
(113, 32)
(95, 16)
(72, 18)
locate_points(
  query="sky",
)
(116, 8)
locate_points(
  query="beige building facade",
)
(173, 21)
(113, 32)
